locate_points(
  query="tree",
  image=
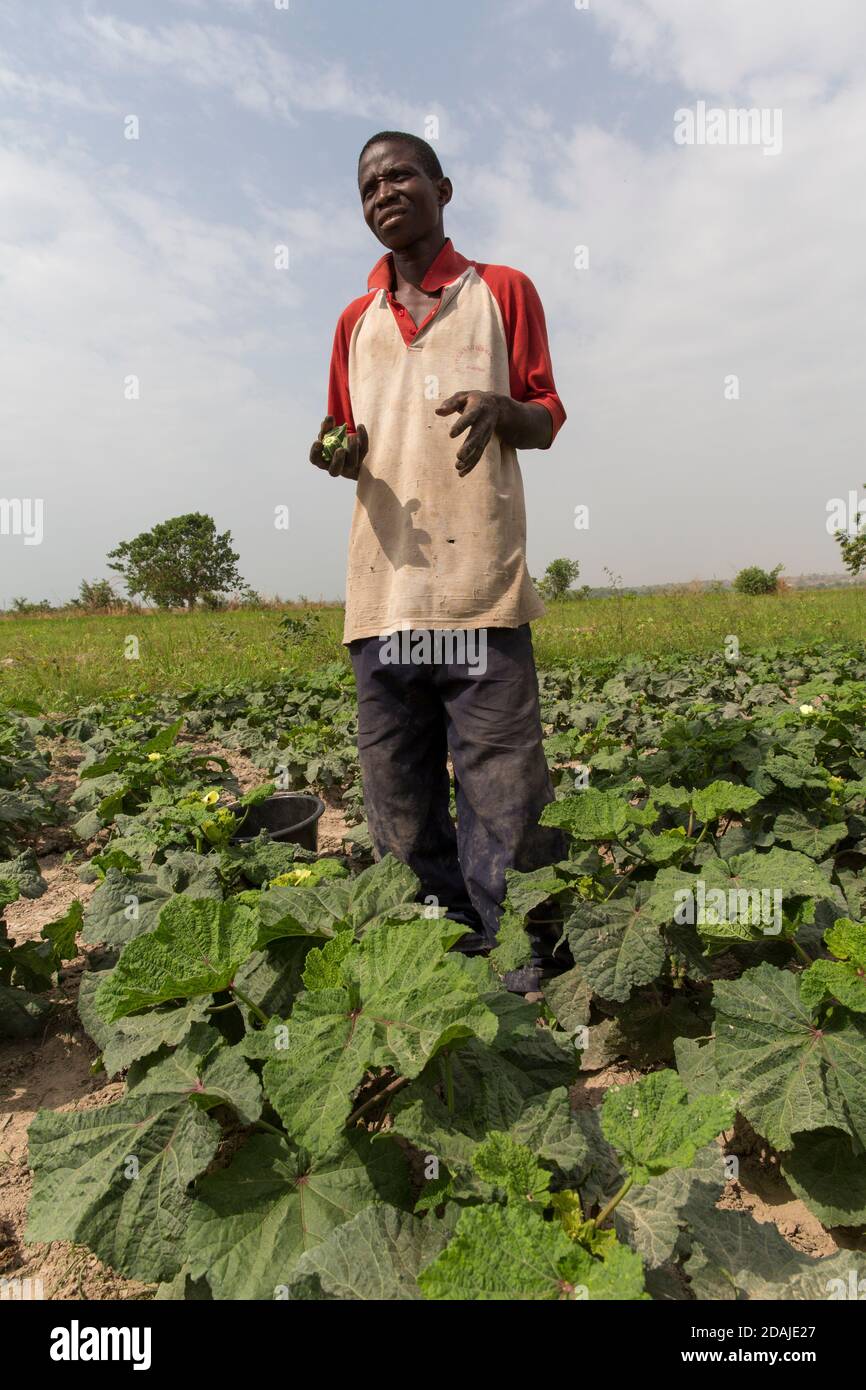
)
(754, 580)
(94, 596)
(853, 544)
(178, 561)
(558, 578)
(24, 606)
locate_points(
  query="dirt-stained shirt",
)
(429, 549)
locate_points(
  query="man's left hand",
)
(479, 414)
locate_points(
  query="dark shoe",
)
(473, 944)
(530, 979)
(526, 980)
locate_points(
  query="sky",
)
(708, 342)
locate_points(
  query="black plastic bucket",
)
(292, 816)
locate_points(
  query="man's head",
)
(400, 177)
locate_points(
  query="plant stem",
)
(253, 1008)
(623, 878)
(807, 960)
(271, 1129)
(614, 1202)
(388, 1090)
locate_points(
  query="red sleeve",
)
(531, 370)
(339, 397)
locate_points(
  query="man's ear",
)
(446, 192)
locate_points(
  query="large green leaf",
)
(205, 1070)
(22, 1014)
(554, 1133)
(127, 905)
(9, 893)
(260, 860)
(591, 816)
(741, 898)
(787, 1073)
(677, 798)
(616, 944)
(696, 1066)
(197, 948)
(252, 1221)
(807, 835)
(124, 906)
(115, 1178)
(825, 1173)
(794, 875)
(713, 801)
(663, 894)
(376, 1256)
(512, 1253)
(272, 978)
(519, 1090)
(648, 1217)
(23, 871)
(125, 1041)
(654, 1126)
(665, 847)
(323, 967)
(403, 1002)
(844, 978)
(385, 890)
(852, 893)
(569, 997)
(313, 1065)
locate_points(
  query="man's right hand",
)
(346, 462)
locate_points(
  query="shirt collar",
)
(446, 268)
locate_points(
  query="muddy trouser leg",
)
(503, 782)
(403, 753)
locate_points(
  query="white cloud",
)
(39, 90)
(704, 262)
(100, 282)
(739, 44)
(258, 74)
(241, 6)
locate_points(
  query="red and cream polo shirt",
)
(427, 547)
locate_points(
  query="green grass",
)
(65, 661)
(688, 624)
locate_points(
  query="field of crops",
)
(239, 1069)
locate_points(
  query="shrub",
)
(754, 580)
(558, 578)
(95, 596)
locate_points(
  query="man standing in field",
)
(437, 546)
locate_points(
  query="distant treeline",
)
(717, 586)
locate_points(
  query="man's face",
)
(401, 203)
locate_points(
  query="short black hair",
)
(426, 155)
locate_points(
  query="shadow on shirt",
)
(392, 524)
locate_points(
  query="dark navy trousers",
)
(411, 715)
